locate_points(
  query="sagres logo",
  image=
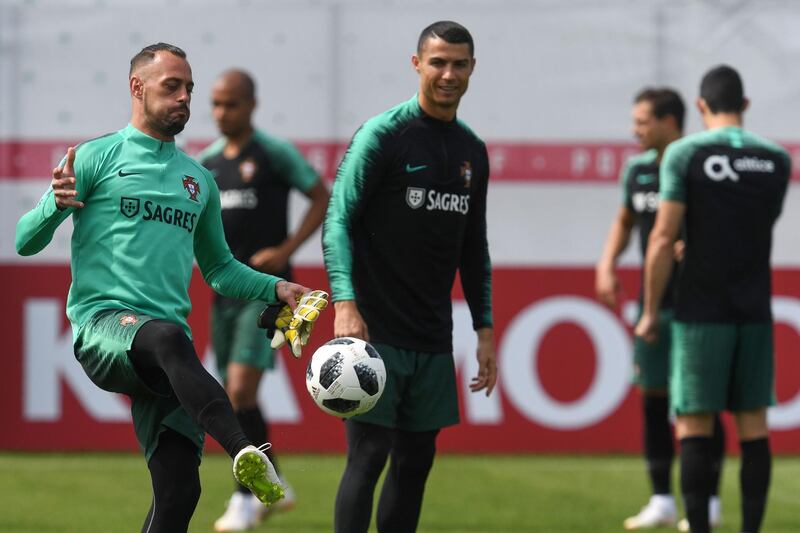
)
(192, 187)
(129, 206)
(414, 197)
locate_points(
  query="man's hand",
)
(348, 322)
(647, 328)
(292, 324)
(607, 287)
(271, 259)
(63, 183)
(487, 363)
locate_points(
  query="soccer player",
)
(657, 116)
(408, 211)
(142, 211)
(726, 186)
(254, 172)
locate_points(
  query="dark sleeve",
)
(475, 265)
(360, 171)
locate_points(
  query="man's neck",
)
(235, 143)
(660, 150)
(140, 124)
(445, 114)
(723, 120)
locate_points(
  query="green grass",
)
(110, 493)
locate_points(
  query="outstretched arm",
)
(36, 228)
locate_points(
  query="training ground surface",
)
(110, 493)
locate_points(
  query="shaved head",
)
(239, 81)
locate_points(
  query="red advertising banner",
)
(565, 369)
(573, 162)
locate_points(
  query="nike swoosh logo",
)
(123, 174)
(410, 169)
(646, 178)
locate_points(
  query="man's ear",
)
(137, 87)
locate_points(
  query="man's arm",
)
(606, 281)
(475, 268)
(659, 264)
(358, 173)
(36, 228)
(275, 259)
(226, 275)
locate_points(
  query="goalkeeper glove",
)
(284, 326)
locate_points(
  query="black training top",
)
(408, 210)
(640, 196)
(254, 190)
(733, 183)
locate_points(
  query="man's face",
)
(444, 70)
(649, 130)
(231, 107)
(166, 93)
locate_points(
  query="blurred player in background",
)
(254, 172)
(142, 212)
(658, 116)
(408, 211)
(726, 187)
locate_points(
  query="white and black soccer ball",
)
(345, 377)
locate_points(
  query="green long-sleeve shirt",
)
(149, 211)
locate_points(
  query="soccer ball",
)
(345, 377)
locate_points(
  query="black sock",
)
(754, 478)
(659, 449)
(161, 350)
(717, 453)
(368, 446)
(401, 497)
(255, 428)
(696, 474)
(174, 472)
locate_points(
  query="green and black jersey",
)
(149, 211)
(640, 181)
(733, 183)
(254, 191)
(408, 210)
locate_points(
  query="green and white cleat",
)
(253, 469)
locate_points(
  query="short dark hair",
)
(723, 91)
(448, 31)
(148, 53)
(665, 102)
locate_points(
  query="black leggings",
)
(174, 471)
(165, 359)
(400, 503)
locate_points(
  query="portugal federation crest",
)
(192, 187)
(415, 196)
(129, 206)
(466, 173)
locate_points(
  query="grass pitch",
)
(110, 493)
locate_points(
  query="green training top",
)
(733, 184)
(149, 210)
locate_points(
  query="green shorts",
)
(236, 337)
(651, 361)
(721, 366)
(101, 347)
(420, 392)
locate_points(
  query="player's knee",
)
(369, 456)
(167, 340)
(415, 450)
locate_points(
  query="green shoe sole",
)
(252, 473)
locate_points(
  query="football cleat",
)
(253, 469)
(660, 511)
(261, 512)
(240, 515)
(714, 515)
